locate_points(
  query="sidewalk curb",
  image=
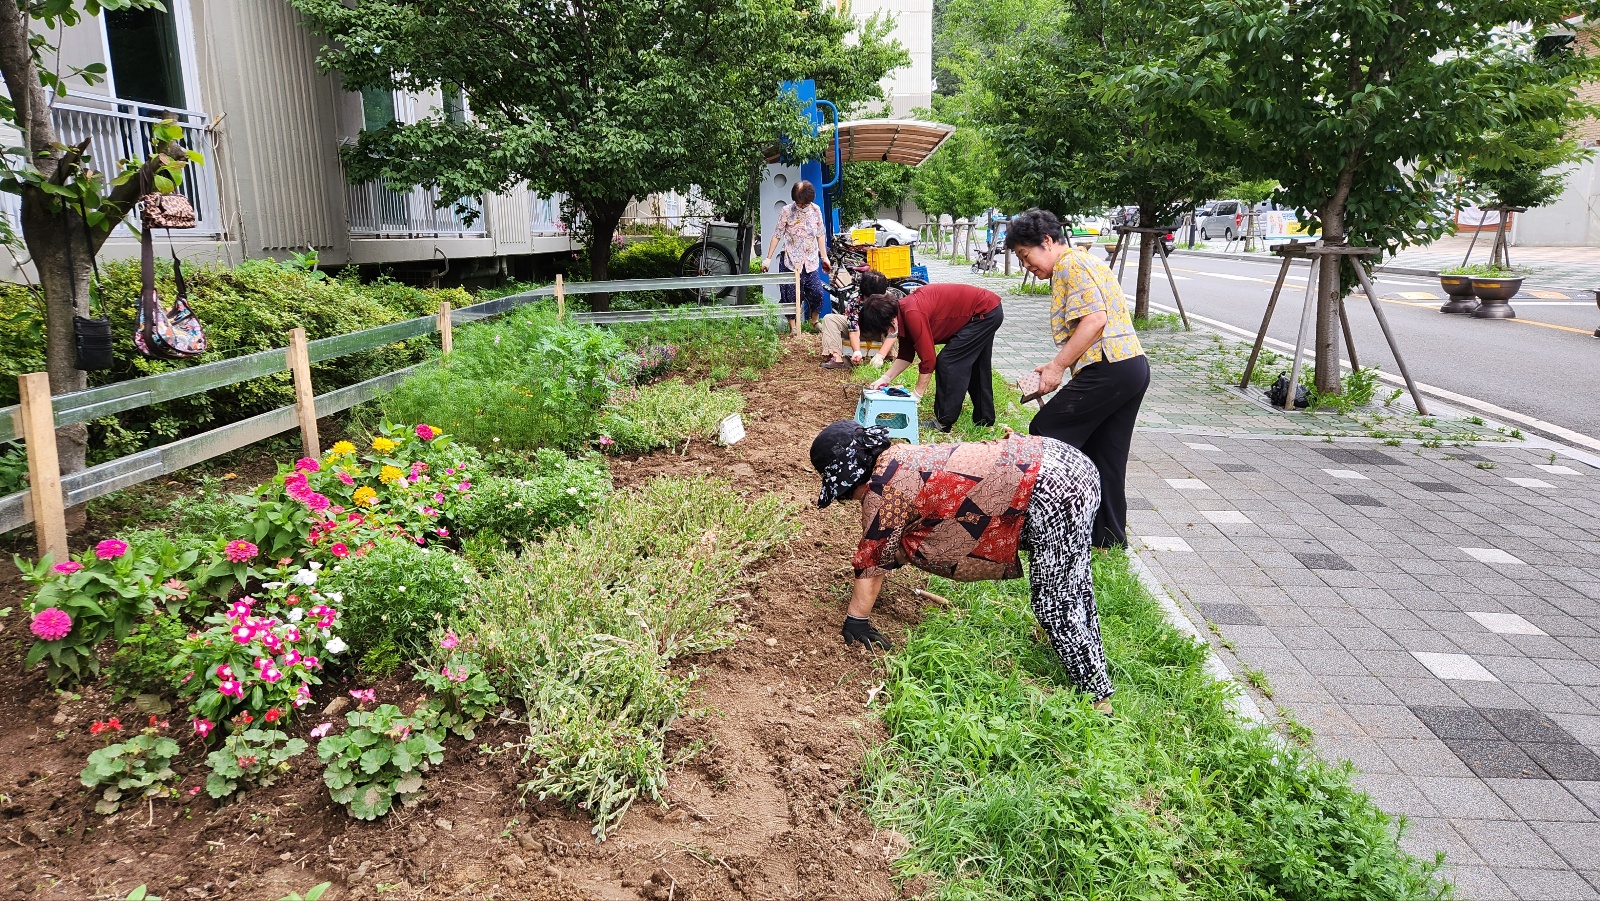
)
(1387, 270)
(1242, 703)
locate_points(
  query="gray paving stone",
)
(1507, 843)
(1425, 757)
(1547, 885)
(1526, 726)
(1224, 614)
(1564, 761)
(1577, 842)
(1462, 798)
(1387, 721)
(1541, 799)
(1587, 792)
(1423, 836)
(1495, 759)
(1396, 794)
(1480, 884)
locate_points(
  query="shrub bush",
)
(666, 414)
(142, 662)
(246, 308)
(395, 596)
(523, 382)
(552, 491)
(655, 258)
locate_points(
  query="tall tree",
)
(1070, 135)
(957, 180)
(1359, 107)
(70, 203)
(602, 100)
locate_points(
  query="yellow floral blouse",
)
(1081, 285)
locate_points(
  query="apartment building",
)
(241, 77)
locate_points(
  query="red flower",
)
(110, 725)
(271, 715)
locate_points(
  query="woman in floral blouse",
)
(962, 511)
(801, 243)
(1089, 321)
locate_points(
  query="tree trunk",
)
(1329, 294)
(604, 216)
(1147, 259)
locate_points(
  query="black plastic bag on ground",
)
(1280, 390)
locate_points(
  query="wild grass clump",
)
(1010, 785)
(667, 414)
(584, 625)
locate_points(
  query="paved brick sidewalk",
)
(1429, 610)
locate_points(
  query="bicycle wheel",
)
(707, 259)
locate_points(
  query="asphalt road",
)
(1545, 363)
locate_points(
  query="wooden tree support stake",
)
(305, 397)
(37, 417)
(446, 336)
(561, 298)
(796, 330)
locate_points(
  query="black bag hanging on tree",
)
(91, 337)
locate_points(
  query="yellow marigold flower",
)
(382, 445)
(388, 475)
(366, 497)
(342, 449)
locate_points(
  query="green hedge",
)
(246, 308)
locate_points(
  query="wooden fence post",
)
(797, 302)
(561, 298)
(305, 398)
(446, 336)
(44, 466)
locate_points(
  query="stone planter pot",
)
(1493, 294)
(1459, 289)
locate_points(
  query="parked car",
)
(890, 232)
(1225, 220)
(1083, 226)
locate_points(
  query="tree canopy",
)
(603, 100)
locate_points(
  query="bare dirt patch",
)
(765, 810)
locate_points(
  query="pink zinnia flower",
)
(345, 478)
(426, 432)
(203, 727)
(318, 502)
(110, 549)
(449, 640)
(51, 623)
(240, 551)
(68, 568)
(321, 730)
(306, 464)
(340, 550)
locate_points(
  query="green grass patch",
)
(1009, 785)
(667, 414)
(584, 625)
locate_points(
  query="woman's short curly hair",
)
(1029, 229)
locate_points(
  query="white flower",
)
(573, 490)
(296, 615)
(315, 565)
(402, 589)
(335, 597)
(272, 586)
(336, 645)
(304, 577)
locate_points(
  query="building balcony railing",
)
(378, 212)
(118, 130)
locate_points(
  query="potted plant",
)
(1494, 287)
(1457, 284)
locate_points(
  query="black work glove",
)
(859, 628)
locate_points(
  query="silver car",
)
(1226, 220)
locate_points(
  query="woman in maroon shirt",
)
(962, 511)
(964, 319)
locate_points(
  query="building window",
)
(454, 104)
(146, 65)
(377, 108)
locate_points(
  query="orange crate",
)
(894, 262)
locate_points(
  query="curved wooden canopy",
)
(906, 141)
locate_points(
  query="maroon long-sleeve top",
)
(933, 314)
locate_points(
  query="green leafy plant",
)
(140, 767)
(462, 694)
(378, 759)
(398, 593)
(250, 756)
(551, 491)
(142, 662)
(1481, 270)
(705, 344)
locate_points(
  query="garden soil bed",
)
(765, 810)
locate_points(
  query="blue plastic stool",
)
(900, 413)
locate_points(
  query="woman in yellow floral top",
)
(1089, 320)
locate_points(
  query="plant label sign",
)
(732, 430)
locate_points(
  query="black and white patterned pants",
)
(1057, 535)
